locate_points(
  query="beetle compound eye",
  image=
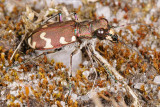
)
(100, 34)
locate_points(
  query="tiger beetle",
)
(60, 34)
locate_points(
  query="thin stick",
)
(18, 45)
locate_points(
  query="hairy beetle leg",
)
(70, 65)
(75, 16)
(60, 18)
(91, 59)
(117, 75)
(44, 53)
(70, 69)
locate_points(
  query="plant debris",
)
(37, 82)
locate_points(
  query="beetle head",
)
(106, 34)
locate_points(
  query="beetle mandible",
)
(57, 35)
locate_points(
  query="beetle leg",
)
(26, 61)
(99, 61)
(70, 68)
(60, 18)
(44, 53)
(75, 15)
(117, 75)
(93, 66)
(70, 65)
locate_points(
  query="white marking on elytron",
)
(73, 38)
(33, 45)
(48, 40)
(62, 40)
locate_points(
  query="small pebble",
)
(157, 79)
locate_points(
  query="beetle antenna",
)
(131, 48)
(124, 25)
(128, 24)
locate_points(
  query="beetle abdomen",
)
(53, 36)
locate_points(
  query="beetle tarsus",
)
(70, 66)
(60, 17)
(91, 59)
(44, 22)
(75, 15)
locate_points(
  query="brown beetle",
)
(56, 35)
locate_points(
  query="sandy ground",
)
(44, 81)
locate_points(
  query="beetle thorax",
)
(86, 29)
